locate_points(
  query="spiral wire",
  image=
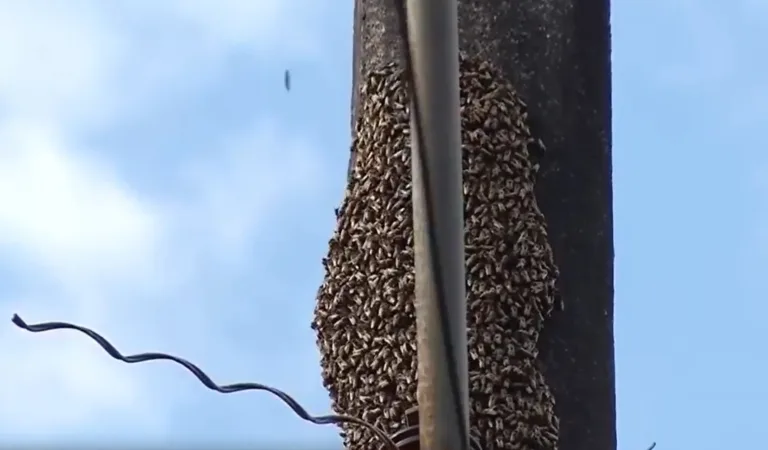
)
(204, 379)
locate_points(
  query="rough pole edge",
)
(356, 43)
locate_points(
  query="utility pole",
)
(442, 367)
(555, 56)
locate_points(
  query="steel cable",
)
(204, 379)
(448, 347)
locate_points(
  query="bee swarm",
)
(364, 317)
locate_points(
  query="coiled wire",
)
(205, 379)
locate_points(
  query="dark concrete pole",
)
(557, 54)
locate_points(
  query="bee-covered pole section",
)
(441, 332)
(538, 230)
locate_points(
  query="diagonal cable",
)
(204, 379)
(450, 353)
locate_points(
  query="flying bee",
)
(287, 80)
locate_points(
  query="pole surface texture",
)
(433, 30)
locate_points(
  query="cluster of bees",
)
(364, 316)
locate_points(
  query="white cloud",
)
(87, 61)
(240, 183)
(55, 59)
(84, 243)
(69, 213)
(81, 235)
(82, 228)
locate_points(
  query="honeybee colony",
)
(364, 316)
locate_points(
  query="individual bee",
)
(287, 80)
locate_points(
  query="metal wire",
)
(402, 16)
(205, 379)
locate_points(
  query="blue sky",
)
(158, 185)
